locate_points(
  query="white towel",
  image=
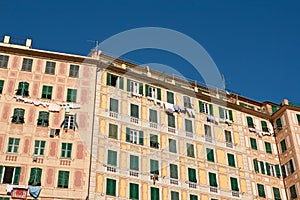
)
(9, 188)
(169, 107)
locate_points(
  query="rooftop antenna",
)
(96, 47)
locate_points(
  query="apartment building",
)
(46, 110)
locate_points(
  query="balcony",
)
(173, 181)
(153, 125)
(213, 189)
(134, 120)
(113, 114)
(208, 139)
(235, 194)
(134, 173)
(111, 169)
(171, 130)
(189, 134)
(192, 185)
(229, 144)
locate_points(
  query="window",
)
(35, 177)
(278, 124)
(134, 136)
(173, 171)
(71, 95)
(154, 169)
(114, 105)
(206, 108)
(192, 175)
(39, 147)
(276, 193)
(70, 122)
(268, 147)
(250, 122)
(253, 143)
(208, 134)
(188, 126)
(3, 61)
(264, 126)
(13, 145)
(47, 92)
(115, 81)
(23, 89)
(262, 167)
(18, 117)
(10, 175)
(298, 119)
(112, 158)
(171, 121)
(193, 197)
(74, 71)
(212, 179)
(43, 119)
(50, 67)
(133, 191)
(113, 131)
(225, 114)
(277, 169)
(288, 168)
(174, 195)
(63, 179)
(66, 150)
(255, 164)
(231, 160)
(27, 64)
(293, 192)
(283, 146)
(134, 110)
(134, 162)
(190, 150)
(234, 184)
(134, 87)
(172, 146)
(1, 86)
(187, 102)
(154, 141)
(170, 97)
(152, 116)
(261, 190)
(210, 155)
(154, 193)
(153, 92)
(228, 138)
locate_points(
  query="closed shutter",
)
(128, 85)
(153, 116)
(230, 115)
(17, 175)
(253, 143)
(262, 167)
(210, 155)
(190, 150)
(261, 190)
(268, 147)
(268, 169)
(283, 171)
(276, 193)
(201, 107)
(111, 187)
(278, 123)
(154, 193)
(134, 191)
(158, 93)
(221, 113)
(108, 78)
(141, 89)
(112, 158)
(211, 109)
(234, 184)
(172, 146)
(134, 110)
(141, 139)
(35, 177)
(264, 126)
(121, 82)
(154, 167)
(255, 164)
(170, 97)
(212, 179)
(114, 105)
(293, 192)
(250, 122)
(147, 90)
(188, 126)
(173, 171)
(127, 134)
(113, 131)
(193, 197)
(1, 171)
(231, 160)
(174, 195)
(171, 121)
(298, 119)
(134, 162)
(277, 169)
(192, 175)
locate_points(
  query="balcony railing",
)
(153, 125)
(229, 144)
(208, 139)
(189, 134)
(235, 193)
(113, 114)
(213, 189)
(111, 169)
(192, 185)
(174, 181)
(133, 173)
(171, 130)
(134, 120)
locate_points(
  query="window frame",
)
(50, 67)
(13, 145)
(66, 150)
(47, 92)
(43, 119)
(71, 95)
(27, 64)
(4, 59)
(39, 147)
(63, 179)
(18, 116)
(74, 71)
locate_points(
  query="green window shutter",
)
(250, 122)
(283, 171)
(153, 116)
(173, 171)
(210, 155)
(190, 150)
(278, 124)
(230, 115)
(141, 89)
(154, 169)
(292, 166)
(134, 110)
(253, 143)
(212, 179)
(141, 139)
(193, 197)
(268, 169)
(201, 107)
(276, 193)
(134, 191)
(35, 177)
(127, 134)
(128, 85)
(147, 90)
(268, 147)
(262, 167)
(113, 131)
(114, 105)
(277, 169)
(283, 146)
(231, 160)
(158, 93)
(261, 190)
(264, 126)
(172, 146)
(298, 119)
(274, 108)
(192, 175)
(110, 187)
(1, 85)
(69, 150)
(121, 82)
(154, 193)
(112, 158)
(108, 79)
(234, 184)
(174, 195)
(171, 120)
(221, 113)
(255, 164)
(134, 162)
(211, 109)
(1, 171)
(170, 97)
(188, 125)
(63, 179)
(293, 192)
(17, 175)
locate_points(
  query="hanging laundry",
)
(9, 188)
(54, 107)
(169, 108)
(176, 108)
(67, 108)
(34, 191)
(191, 112)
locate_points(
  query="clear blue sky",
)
(255, 43)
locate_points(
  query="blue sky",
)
(254, 43)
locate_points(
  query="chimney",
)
(6, 39)
(28, 42)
